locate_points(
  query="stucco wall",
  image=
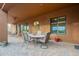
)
(72, 23)
(3, 26)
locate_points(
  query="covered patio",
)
(39, 29)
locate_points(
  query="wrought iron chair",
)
(44, 43)
(25, 37)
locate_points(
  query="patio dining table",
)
(37, 37)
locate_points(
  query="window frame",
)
(58, 25)
(24, 25)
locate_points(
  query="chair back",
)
(47, 37)
(25, 35)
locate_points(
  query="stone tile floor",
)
(16, 47)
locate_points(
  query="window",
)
(24, 27)
(58, 25)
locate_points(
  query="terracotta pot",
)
(58, 39)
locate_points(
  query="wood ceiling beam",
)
(2, 6)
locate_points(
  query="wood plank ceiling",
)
(29, 10)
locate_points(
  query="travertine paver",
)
(16, 47)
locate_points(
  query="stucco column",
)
(18, 29)
(3, 27)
